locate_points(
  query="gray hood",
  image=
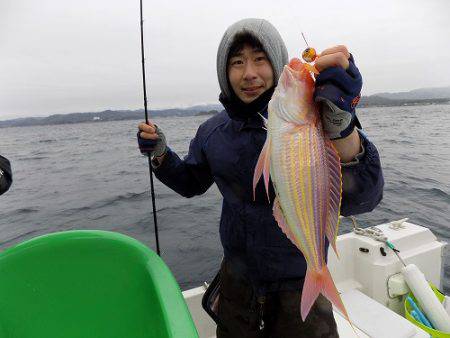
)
(270, 39)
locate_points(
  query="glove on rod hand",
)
(151, 140)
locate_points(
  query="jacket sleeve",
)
(190, 176)
(362, 181)
(5, 175)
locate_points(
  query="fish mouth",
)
(287, 77)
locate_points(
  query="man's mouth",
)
(252, 90)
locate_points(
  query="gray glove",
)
(155, 148)
(338, 92)
(336, 122)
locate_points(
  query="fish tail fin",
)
(321, 282)
(330, 291)
(263, 168)
(311, 290)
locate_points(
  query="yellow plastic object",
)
(83, 284)
(309, 54)
(432, 332)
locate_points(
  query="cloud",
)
(60, 56)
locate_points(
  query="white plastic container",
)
(430, 304)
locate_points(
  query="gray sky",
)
(60, 56)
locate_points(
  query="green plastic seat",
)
(83, 284)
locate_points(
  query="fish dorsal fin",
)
(335, 181)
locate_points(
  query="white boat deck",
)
(370, 319)
(371, 287)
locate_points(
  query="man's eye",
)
(260, 58)
(236, 62)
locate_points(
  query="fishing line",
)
(305, 39)
(150, 169)
(378, 235)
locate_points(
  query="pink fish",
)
(306, 174)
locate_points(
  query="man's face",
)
(250, 73)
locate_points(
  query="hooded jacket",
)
(225, 150)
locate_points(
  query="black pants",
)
(241, 312)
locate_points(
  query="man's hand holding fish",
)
(338, 88)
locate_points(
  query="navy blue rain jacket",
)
(225, 151)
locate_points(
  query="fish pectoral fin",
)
(265, 120)
(263, 168)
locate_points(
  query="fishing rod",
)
(150, 169)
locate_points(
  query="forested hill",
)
(423, 96)
(109, 115)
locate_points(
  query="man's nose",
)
(250, 71)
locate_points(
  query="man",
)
(5, 175)
(262, 274)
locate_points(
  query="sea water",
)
(92, 176)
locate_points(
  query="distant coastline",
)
(424, 96)
(105, 116)
(377, 101)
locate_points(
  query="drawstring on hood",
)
(275, 50)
